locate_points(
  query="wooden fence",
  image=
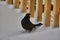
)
(47, 7)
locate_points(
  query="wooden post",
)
(47, 11)
(44, 5)
(28, 4)
(59, 13)
(10, 1)
(17, 3)
(56, 13)
(32, 7)
(24, 6)
(40, 10)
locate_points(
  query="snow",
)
(44, 35)
(11, 29)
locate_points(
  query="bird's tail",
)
(38, 24)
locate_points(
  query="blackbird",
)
(27, 24)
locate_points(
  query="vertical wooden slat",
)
(17, 3)
(59, 12)
(28, 4)
(47, 11)
(10, 1)
(40, 9)
(32, 7)
(56, 13)
(24, 6)
(44, 5)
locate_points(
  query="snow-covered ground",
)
(11, 29)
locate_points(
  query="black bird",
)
(26, 23)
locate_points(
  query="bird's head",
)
(27, 15)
